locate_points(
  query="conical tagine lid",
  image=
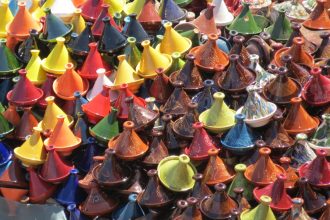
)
(128, 145)
(24, 92)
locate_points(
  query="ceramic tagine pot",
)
(219, 117)
(258, 112)
(264, 171)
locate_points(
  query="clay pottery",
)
(101, 80)
(93, 62)
(26, 125)
(9, 65)
(57, 59)
(205, 22)
(151, 60)
(157, 150)
(192, 211)
(24, 92)
(314, 202)
(218, 205)
(177, 104)
(5, 154)
(239, 138)
(132, 52)
(169, 138)
(160, 87)
(326, 213)
(50, 117)
(222, 16)
(208, 55)
(78, 44)
(281, 89)
(237, 77)
(136, 184)
(77, 21)
(245, 22)
(133, 28)
(54, 27)
(74, 212)
(134, 7)
(35, 73)
(291, 175)
(107, 128)
(78, 102)
(55, 170)
(87, 181)
(64, 14)
(5, 127)
(22, 23)
(301, 152)
(299, 55)
(11, 115)
(175, 173)
(260, 55)
(264, 171)
(170, 11)
(83, 157)
(62, 138)
(98, 203)
(204, 98)
(240, 181)
(201, 143)
(281, 201)
(296, 71)
(200, 189)
(98, 25)
(298, 120)
(216, 170)
(320, 139)
(310, 47)
(281, 29)
(91, 9)
(173, 42)
(155, 196)
(131, 210)
(219, 117)
(13, 183)
(297, 210)
(40, 190)
(262, 211)
(6, 17)
(181, 205)
(110, 172)
(122, 106)
(77, 84)
(317, 171)
(149, 18)
(47, 88)
(183, 126)
(316, 91)
(111, 41)
(239, 49)
(69, 192)
(319, 18)
(242, 201)
(98, 107)
(189, 75)
(258, 112)
(125, 74)
(142, 117)
(13, 176)
(322, 51)
(128, 145)
(23, 49)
